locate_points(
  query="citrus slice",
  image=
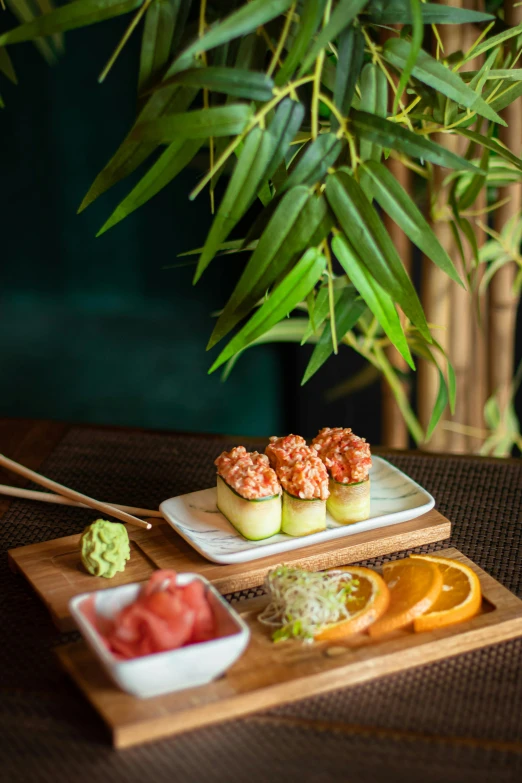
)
(414, 587)
(367, 603)
(459, 599)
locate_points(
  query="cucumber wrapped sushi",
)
(348, 460)
(302, 516)
(349, 503)
(305, 485)
(249, 493)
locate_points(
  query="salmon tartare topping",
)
(248, 473)
(298, 467)
(346, 456)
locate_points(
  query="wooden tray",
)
(270, 674)
(54, 568)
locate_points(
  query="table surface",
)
(456, 720)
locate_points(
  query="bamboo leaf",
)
(476, 183)
(361, 380)
(241, 83)
(503, 74)
(492, 415)
(349, 64)
(396, 202)
(308, 23)
(433, 73)
(289, 330)
(290, 291)
(79, 13)
(341, 17)
(240, 193)
(244, 20)
(158, 32)
(496, 40)
(25, 12)
(439, 407)
(348, 310)
(506, 96)
(299, 221)
(321, 311)
(379, 302)
(199, 123)
(319, 155)
(364, 230)
(416, 44)
(389, 134)
(425, 351)
(175, 158)
(6, 66)
(287, 121)
(374, 99)
(493, 145)
(452, 386)
(46, 6)
(470, 235)
(399, 12)
(131, 153)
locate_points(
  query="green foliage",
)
(292, 99)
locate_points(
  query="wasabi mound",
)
(105, 548)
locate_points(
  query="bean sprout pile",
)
(303, 602)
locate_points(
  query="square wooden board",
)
(269, 674)
(55, 571)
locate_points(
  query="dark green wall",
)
(95, 329)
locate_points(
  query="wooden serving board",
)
(270, 674)
(55, 571)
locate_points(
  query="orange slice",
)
(367, 603)
(414, 587)
(459, 599)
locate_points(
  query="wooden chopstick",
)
(71, 493)
(47, 497)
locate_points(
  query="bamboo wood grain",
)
(47, 497)
(54, 569)
(273, 674)
(436, 286)
(503, 302)
(60, 489)
(463, 350)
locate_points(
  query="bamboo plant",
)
(314, 108)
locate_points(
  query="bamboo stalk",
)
(478, 389)
(60, 500)
(436, 286)
(502, 301)
(112, 511)
(468, 357)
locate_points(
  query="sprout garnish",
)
(303, 602)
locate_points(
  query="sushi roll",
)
(304, 480)
(348, 460)
(249, 493)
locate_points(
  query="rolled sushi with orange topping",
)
(249, 493)
(348, 460)
(304, 480)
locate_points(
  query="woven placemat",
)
(460, 719)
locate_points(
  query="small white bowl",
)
(152, 675)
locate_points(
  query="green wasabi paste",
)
(105, 548)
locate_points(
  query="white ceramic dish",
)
(395, 497)
(186, 667)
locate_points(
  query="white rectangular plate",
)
(395, 497)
